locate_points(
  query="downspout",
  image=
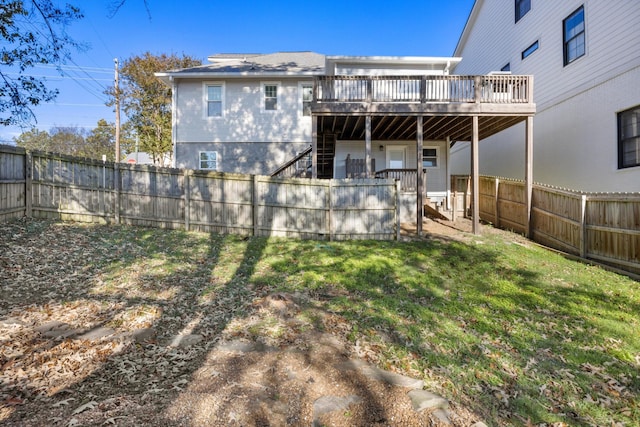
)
(174, 121)
(447, 68)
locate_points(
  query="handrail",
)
(407, 178)
(291, 162)
(499, 89)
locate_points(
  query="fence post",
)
(254, 198)
(116, 187)
(28, 185)
(583, 227)
(187, 199)
(398, 210)
(330, 219)
(497, 202)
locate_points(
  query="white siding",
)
(575, 128)
(243, 119)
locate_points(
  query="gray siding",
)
(260, 158)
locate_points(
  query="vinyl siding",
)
(243, 119)
(575, 128)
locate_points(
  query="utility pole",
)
(117, 92)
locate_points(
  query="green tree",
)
(33, 139)
(102, 140)
(32, 32)
(147, 101)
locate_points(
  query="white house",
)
(585, 58)
(353, 116)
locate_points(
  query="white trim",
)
(301, 85)
(205, 100)
(174, 120)
(438, 157)
(263, 97)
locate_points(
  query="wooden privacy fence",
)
(600, 226)
(44, 185)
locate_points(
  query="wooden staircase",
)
(432, 210)
(325, 155)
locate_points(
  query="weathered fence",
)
(13, 183)
(600, 226)
(45, 185)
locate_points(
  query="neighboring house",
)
(585, 58)
(139, 158)
(361, 116)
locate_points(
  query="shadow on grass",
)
(484, 327)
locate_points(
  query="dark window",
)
(429, 158)
(528, 51)
(522, 7)
(506, 67)
(629, 138)
(573, 30)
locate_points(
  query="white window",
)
(429, 157)
(270, 96)
(214, 99)
(629, 138)
(306, 91)
(208, 160)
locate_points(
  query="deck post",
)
(367, 145)
(419, 178)
(528, 178)
(475, 179)
(314, 146)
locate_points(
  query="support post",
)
(475, 179)
(330, 219)
(497, 202)
(583, 226)
(28, 185)
(367, 147)
(419, 177)
(117, 185)
(254, 205)
(314, 146)
(398, 210)
(187, 199)
(528, 178)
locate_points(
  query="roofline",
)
(398, 59)
(168, 76)
(473, 14)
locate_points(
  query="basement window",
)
(208, 160)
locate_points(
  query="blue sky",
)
(202, 28)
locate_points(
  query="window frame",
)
(565, 42)
(263, 104)
(437, 157)
(301, 87)
(517, 4)
(635, 136)
(217, 160)
(205, 86)
(530, 50)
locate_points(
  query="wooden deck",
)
(446, 103)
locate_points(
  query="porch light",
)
(381, 148)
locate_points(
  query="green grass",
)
(515, 332)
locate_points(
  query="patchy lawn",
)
(508, 332)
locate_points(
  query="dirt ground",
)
(55, 369)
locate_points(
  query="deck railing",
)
(500, 89)
(297, 167)
(407, 177)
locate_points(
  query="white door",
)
(396, 156)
